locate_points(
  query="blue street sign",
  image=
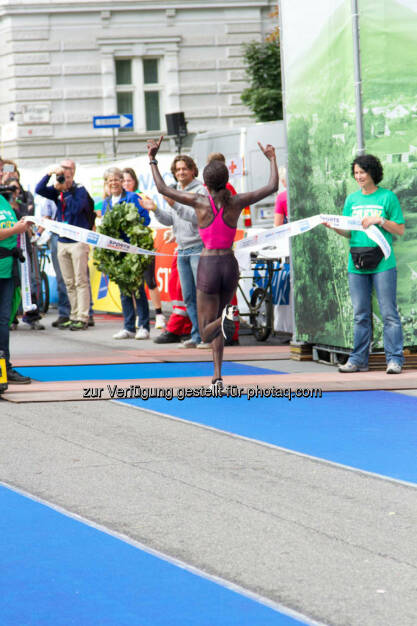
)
(113, 121)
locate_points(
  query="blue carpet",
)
(371, 430)
(57, 571)
(137, 371)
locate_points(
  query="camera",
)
(7, 191)
(60, 179)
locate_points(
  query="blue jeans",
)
(385, 284)
(6, 298)
(188, 259)
(142, 308)
(63, 302)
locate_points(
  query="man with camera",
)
(73, 207)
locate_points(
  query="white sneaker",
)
(188, 343)
(350, 367)
(394, 368)
(142, 333)
(124, 334)
(203, 345)
(159, 321)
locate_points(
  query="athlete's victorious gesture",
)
(217, 217)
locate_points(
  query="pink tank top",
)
(218, 234)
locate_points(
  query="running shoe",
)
(79, 325)
(217, 387)
(230, 315)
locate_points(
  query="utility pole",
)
(360, 141)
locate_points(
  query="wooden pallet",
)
(334, 355)
(300, 351)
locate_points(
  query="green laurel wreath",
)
(125, 269)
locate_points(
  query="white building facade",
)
(62, 63)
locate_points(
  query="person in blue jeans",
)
(185, 229)
(113, 179)
(368, 269)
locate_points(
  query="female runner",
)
(218, 271)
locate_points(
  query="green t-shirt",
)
(381, 203)
(7, 220)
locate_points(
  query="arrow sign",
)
(113, 121)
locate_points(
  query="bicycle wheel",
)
(44, 299)
(261, 314)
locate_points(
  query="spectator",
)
(8, 170)
(73, 203)
(10, 227)
(184, 222)
(281, 210)
(367, 267)
(131, 183)
(113, 179)
(179, 325)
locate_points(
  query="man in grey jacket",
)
(184, 224)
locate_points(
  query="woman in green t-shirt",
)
(373, 205)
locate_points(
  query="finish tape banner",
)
(260, 240)
(88, 236)
(302, 226)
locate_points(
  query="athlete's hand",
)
(269, 151)
(153, 147)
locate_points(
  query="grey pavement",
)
(339, 546)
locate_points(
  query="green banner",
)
(321, 128)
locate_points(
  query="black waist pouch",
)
(366, 258)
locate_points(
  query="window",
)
(139, 92)
(151, 94)
(124, 89)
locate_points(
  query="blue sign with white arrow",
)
(113, 121)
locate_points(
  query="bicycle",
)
(260, 305)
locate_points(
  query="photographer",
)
(74, 206)
(9, 253)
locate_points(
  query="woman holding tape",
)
(218, 271)
(368, 269)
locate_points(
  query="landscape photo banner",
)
(317, 45)
(321, 133)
